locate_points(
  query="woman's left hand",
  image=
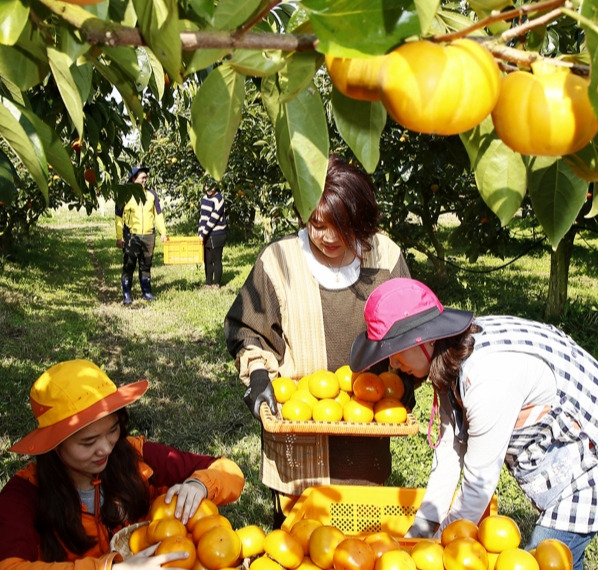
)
(189, 496)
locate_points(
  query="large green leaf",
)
(22, 137)
(215, 117)
(356, 28)
(360, 123)
(230, 14)
(159, 26)
(557, 195)
(54, 149)
(13, 18)
(60, 64)
(500, 173)
(302, 144)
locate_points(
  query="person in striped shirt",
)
(212, 232)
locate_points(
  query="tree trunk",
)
(560, 260)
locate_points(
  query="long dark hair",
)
(449, 353)
(58, 521)
(349, 204)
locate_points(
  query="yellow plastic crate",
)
(183, 250)
(361, 510)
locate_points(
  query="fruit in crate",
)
(342, 396)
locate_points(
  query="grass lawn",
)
(60, 299)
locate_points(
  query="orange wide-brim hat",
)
(68, 397)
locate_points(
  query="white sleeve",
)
(496, 388)
(446, 468)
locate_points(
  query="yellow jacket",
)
(140, 218)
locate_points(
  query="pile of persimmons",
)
(447, 89)
(342, 395)
(213, 544)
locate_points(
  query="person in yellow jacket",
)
(90, 478)
(136, 224)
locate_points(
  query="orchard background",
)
(237, 90)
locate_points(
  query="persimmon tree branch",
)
(96, 31)
(512, 55)
(496, 16)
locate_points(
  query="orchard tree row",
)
(513, 86)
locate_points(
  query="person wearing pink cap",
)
(511, 391)
(90, 479)
(298, 312)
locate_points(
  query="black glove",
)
(260, 390)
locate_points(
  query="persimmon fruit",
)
(353, 554)
(178, 544)
(284, 548)
(544, 113)
(458, 529)
(498, 533)
(219, 548)
(439, 89)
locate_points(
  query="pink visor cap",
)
(400, 314)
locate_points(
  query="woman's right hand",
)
(145, 559)
(260, 390)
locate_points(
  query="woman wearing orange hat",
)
(90, 479)
(512, 391)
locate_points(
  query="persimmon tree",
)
(76, 82)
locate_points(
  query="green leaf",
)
(7, 180)
(14, 15)
(557, 195)
(360, 123)
(25, 64)
(590, 11)
(357, 28)
(133, 63)
(159, 26)
(500, 173)
(302, 144)
(128, 94)
(230, 14)
(54, 149)
(83, 76)
(215, 118)
(158, 73)
(426, 10)
(298, 73)
(60, 64)
(21, 136)
(203, 8)
(257, 63)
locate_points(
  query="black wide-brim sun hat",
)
(400, 314)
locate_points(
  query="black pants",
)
(138, 248)
(212, 252)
